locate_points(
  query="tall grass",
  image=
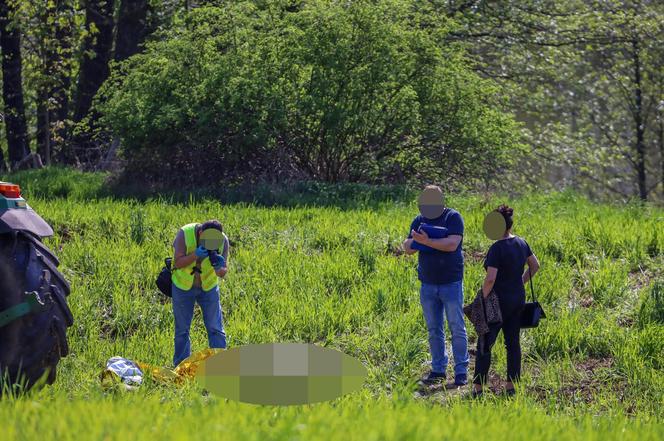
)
(330, 275)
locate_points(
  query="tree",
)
(97, 45)
(368, 96)
(50, 38)
(12, 86)
(131, 28)
(583, 75)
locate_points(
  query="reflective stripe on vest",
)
(183, 278)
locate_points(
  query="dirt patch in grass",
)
(448, 389)
(640, 278)
(593, 375)
(394, 249)
(473, 256)
(64, 233)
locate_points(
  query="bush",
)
(334, 91)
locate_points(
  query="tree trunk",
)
(12, 87)
(96, 54)
(131, 29)
(43, 128)
(638, 123)
(46, 16)
(62, 77)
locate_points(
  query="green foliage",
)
(586, 77)
(359, 91)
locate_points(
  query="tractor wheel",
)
(31, 345)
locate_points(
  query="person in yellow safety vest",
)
(195, 279)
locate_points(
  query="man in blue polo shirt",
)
(440, 270)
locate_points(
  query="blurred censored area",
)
(494, 225)
(431, 202)
(212, 239)
(281, 374)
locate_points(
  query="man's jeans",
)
(435, 300)
(183, 311)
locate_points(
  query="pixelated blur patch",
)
(431, 203)
(281, 374)
(494, 225)
(212, 239)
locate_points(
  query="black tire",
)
(32, 345)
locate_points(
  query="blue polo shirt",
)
(441, 267)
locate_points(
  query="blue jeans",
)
(183, 311)
(448, 299)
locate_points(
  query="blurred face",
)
(211, 239)
(494, 225)
(431, 202)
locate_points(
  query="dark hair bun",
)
(507, 213)
(505, 210)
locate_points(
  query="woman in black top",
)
(504, 265)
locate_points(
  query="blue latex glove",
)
(218, 262)
(201, 252)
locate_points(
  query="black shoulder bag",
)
(533, 311)
(164, 282)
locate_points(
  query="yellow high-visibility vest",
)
(183, 278)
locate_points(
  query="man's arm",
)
(408, 243)
(447, 244)
(181, 258)
(407, 247)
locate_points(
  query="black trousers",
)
(510, 327)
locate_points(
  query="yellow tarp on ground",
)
(186, 369)
(183, 371)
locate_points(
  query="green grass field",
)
(331, 275)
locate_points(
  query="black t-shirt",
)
(509, 257)
(441, 267)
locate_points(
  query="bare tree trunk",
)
(132, 28)
(111, 156)
(12, 87)
(43, 127)
(638, 123)
(94, 68)
(31, 160)
(46, 16)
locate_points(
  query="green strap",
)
(9, 315)
(32, 303)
